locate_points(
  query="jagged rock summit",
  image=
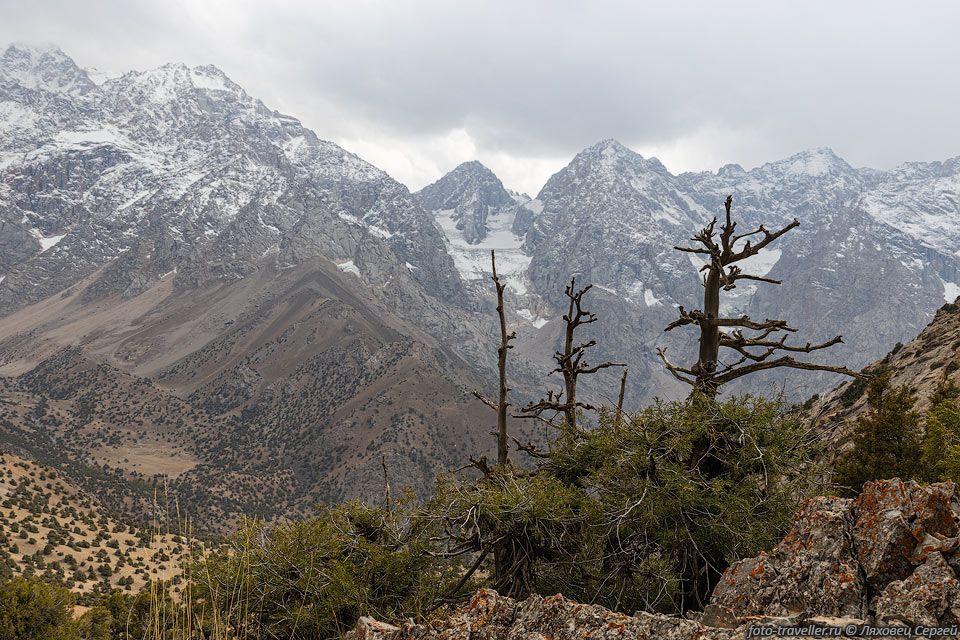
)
(890, 557)
(469, 195)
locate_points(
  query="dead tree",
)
(502, 403)
(754, 352)
(571, 365)
(513, 564)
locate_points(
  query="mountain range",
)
(193, 284)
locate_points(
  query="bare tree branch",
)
(571, 364)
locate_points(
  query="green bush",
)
(33, 610)
(521, 519)
(886, 440)
(680, 490)
(639, 513)
(941, 443)
(315, 578)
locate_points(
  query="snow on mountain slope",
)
(922, 199)
(178, 170)
(183, 157)
(473, 260)
(477, 214)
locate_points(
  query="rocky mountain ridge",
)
(864, 262)
(925, 364)
(183, 170)
(166, 225)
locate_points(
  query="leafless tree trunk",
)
(623, 388)
(752, 353)
(502, 402)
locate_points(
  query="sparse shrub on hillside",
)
(634, 514)
(669, 516)
(534, 517)
(941, 442)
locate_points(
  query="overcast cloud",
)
(416, 87)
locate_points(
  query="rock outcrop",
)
(889, 555)
(887, 558)
(490, 616)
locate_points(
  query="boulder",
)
(812, 571)
(893, 518)
(930, 596)
(851, 559)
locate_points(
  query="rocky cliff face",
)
(888, 558)
(863, 263)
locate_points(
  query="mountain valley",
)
(198, 288)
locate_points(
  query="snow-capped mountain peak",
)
(180, 162)
(469, 195)
(817, 162)
(44, 69)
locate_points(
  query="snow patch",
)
(762, 263)
(536, 206)
(46, 243)
(16, 116)
(473, 260)
(379, 232)
(951, 290)
(99, 76)
(813, 163)
(536, 321)
(84, 137)
(650, 299)
(210, 81)
(349, 267)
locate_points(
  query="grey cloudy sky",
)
(418, 86)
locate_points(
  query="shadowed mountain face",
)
(184, 270)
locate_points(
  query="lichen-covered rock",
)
(842, 558)
(813, 570)
(370, 629)
(893, 518)
(929, 596)
(490, 616)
